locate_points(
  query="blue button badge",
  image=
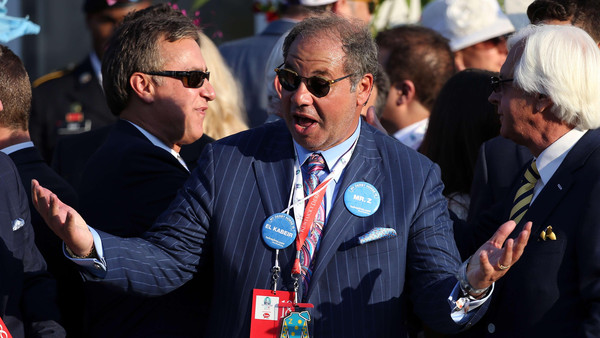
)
(279, 231)
(362, 199)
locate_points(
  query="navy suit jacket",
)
(131, 181)
(27, 292)
(499, 164)
(357, 290)
(247, 58)
(554, 289)
(30, 165)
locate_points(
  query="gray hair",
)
(563, 63)
(355, 37)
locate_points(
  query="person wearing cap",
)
(476, 29)
(71, 101)
(418, 61)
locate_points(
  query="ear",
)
(1, 106)
(142, 86)
(404, 91)
(363, 89)
(277, 86)
(543, 103)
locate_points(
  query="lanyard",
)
(305, 215)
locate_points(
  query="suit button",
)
(491, 328)
(97, 266)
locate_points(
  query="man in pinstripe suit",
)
(357, 289)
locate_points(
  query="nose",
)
(207, 91)
(302, 96)
(494, 98)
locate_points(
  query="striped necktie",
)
(525, 193)
(314, 165)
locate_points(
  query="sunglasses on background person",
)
(190, 79)
(496, 83)
(316, 85)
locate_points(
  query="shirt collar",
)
(331, 155)
(412, 135)
(552, 157)
(16, 147)
(96, 66)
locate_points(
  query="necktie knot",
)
(315, 163)
(532, 174)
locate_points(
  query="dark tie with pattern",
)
(525, 193)
(314, 165)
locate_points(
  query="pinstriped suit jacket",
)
(357, 290)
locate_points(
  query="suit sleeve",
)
(170, 253)
(433, 258)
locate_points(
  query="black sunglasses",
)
(318, 86)
(190, 79)
(495, 82)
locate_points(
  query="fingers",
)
(521, 242)
(502, 233)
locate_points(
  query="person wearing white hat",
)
(477, 31)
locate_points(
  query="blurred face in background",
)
(487, 55)
(102, 24)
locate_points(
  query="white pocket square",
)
(377, 234)
(17, 224)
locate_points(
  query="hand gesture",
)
(492, 260)
(63, 220)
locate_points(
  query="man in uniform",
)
(72, 102)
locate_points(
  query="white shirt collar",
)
(16, 147)
(552, 157)
(96, 66)
(412, 135)
(154, 140)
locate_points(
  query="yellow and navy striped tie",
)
(525, 193)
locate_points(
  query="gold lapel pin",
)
(548, 234)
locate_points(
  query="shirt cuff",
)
(462, 306)
(95, 266)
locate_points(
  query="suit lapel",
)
(341, 224)
(273, 170)
(560, 183)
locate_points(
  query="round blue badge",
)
(279, 231)
(362, 199)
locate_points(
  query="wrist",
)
(90, 254)
(465, 285)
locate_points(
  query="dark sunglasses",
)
(191, 79)
(495, 82)
(318, 86)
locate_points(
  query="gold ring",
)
(503, 267)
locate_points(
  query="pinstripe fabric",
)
(357, 290)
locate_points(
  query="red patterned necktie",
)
(314, 165)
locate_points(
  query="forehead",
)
(185, 54)
(315, 53)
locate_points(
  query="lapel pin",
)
(548, 234)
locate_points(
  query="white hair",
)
(563, 63)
